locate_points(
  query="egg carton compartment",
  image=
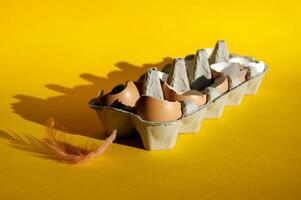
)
(162, 135)
(253, 85)
(215, 109)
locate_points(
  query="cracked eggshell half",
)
(218, 87)
(235, 72)
(220, 82)
(195, 96)
(157, 110)
(255, 67)
(126, 95)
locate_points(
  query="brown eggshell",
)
(195, 96)
(244, 74)
(158, 110)
(221, 83)
(128, 96)
(235, 71)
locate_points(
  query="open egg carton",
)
(162, 104)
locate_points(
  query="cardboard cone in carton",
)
(220, 53)
(152, 84)
(177, 78)
(200, 75)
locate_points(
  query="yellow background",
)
(56, 55)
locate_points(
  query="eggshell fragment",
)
(195, 96)
(249, 58)
(258, 66)
(235, 72)
(221, 84)
(158, 110)
(255, 67)
(241, 60)
(219, 67)
(127, 95)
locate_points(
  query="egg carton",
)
(163, 135)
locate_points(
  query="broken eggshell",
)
(255, 67)
(157, 110)
(195, 96)
(235, 72)
(122, 94)
(218, 87)
(220, 53)
(220, 82)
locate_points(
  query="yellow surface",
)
(56, 55)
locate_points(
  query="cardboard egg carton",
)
(143, 107)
